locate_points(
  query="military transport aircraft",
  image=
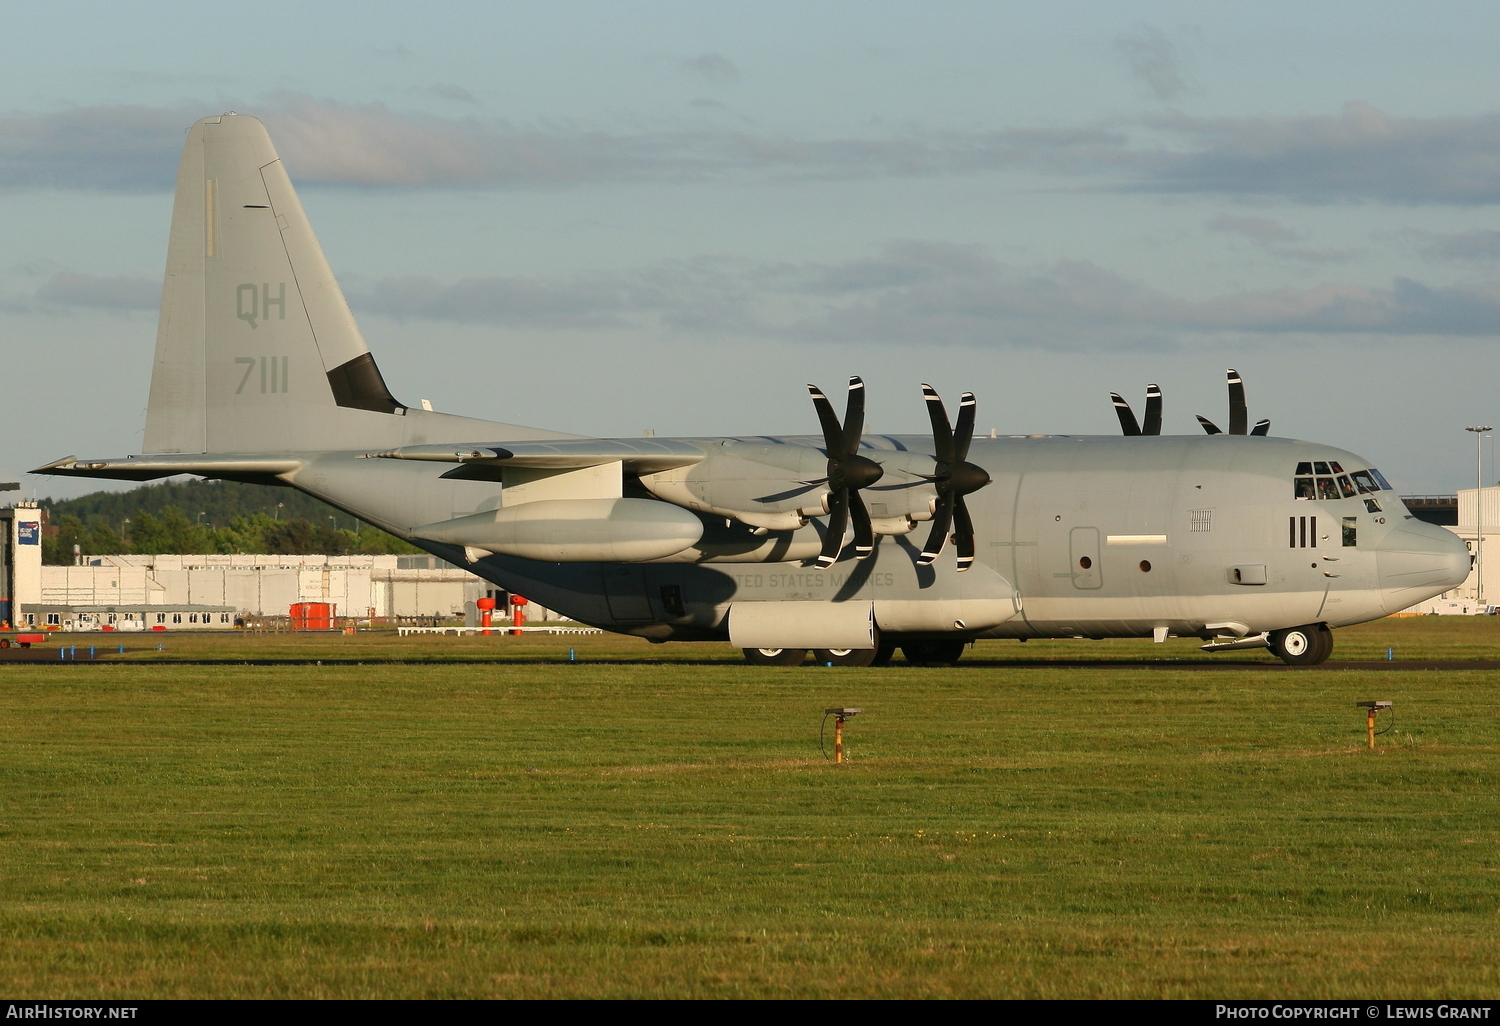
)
(1237, 538)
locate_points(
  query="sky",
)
(607, 218)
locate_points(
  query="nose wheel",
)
(1303, 646)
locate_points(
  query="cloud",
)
(333, 143)
(1479, 244)
(938, 293)
(84, 290)
(933, 293)
(1359, 154)
(458, 94)
(1275, 238)
(1153, 60)
(712, 67)
(1258, 229)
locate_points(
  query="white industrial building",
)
(215, 591)
(1466, 600)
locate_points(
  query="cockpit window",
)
(1336, 484)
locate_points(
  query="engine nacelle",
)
(574, 530)
(779, 487)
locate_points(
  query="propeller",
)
(954, 478)
(1127, 416)
(848, 472)
(1239, 412)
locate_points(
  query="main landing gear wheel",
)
(846, 656)
(774, 656)
(1303, 646)
(933, 653)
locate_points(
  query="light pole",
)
(1479, 512)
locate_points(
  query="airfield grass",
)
(1407, 638)
(633, 826)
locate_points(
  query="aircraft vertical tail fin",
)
(257, 349)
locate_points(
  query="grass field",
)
(658, 821)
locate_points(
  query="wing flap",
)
(639, 455)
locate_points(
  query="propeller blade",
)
(963, 431)
(1209, 426)
(942, 519)
(1128, 425)
(838, 522)
(1239, 415)
(854, 415)
(1153, 411)
(1262, 428)
(864, 534)
(963, 534)
(942, 434)
(833, 431)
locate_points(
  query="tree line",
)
(228, 518)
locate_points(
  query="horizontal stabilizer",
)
(149, 468)
(639, 455)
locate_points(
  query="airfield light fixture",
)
(839, 716)
(1479, 432)
(1373, 709)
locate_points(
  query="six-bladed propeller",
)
(1127, 416)
(848, 472)
(953, 477)
(1239, 412)
(1239, 416)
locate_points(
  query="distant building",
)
(1441, 510)
(1464, 600)
(214, 591)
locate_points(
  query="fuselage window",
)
(1344, 484)
(1304, 488)
(1321, 468)
(1372, 506)
(1327, 489)
(1304, 469)
(1364, 482)
(1385, 485)
(1349, 527)
(1336, 468)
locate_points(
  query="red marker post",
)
(486, 613)
(517, 613)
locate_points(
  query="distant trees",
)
(169, 530)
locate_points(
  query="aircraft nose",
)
(1418, 560)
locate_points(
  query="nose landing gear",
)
(1308, 645)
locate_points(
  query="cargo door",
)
(625, 592)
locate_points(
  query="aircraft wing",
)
(639, 455)
(149, 468)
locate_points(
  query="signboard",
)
(28, 533)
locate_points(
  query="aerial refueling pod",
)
(574, 530)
